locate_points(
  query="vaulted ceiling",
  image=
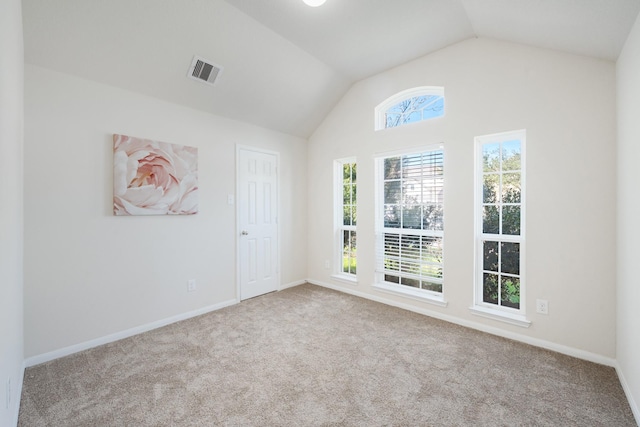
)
(287, 64)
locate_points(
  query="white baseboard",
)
(52, 355)
(627, 391)
(292, 284)
(569, 351)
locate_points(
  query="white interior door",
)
(257, 222)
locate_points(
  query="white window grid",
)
(500, 237)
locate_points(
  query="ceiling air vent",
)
(204, 70)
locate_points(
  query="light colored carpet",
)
(308, 356)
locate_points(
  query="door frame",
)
(240, 147)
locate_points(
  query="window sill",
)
(412, 293)
(501, 316)
(346, 278)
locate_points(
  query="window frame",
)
(339, 226)
(515, 316)
(382, 108)
(433, 297)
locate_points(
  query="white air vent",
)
(204, 70)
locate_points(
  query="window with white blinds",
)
(410, 221)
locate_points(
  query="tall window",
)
(410, 106)
(346, 216)
(410, 221)
(500, 206)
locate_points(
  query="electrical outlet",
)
(191, 285)
(327, 264)
(542, 306)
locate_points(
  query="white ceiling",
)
(286, 64)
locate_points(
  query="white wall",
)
(11, 238)
(89, 274)
(628, 335)
(567, 105)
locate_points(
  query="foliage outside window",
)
(410, 106)
(500, 240)
(411, 225)
(347, 216)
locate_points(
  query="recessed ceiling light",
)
(314, 3)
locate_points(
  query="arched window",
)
(410, 106)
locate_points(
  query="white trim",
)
(413, 293)
(501, 316)
(292, 284)
(635, 409)
(66, 351)
(559, 348)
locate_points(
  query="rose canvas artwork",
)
(154, 178)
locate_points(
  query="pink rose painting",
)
(154, 178)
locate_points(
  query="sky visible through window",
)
(414, 110)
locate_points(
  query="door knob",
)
(245, 233)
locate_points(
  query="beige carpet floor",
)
(308, 356)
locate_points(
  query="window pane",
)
(354, 215)
(410, 248)
(412, 191)
(490, 188)
(346, 194)
(419, 102)
(411, 216)
(510, 258)
(346, 173)
(490, 288)
(346, 215)
(392, 192)
(436, 287)
(392, 168)
(490, 220)
(354, 172)
(401, 107)
(510, 292)
(392, 279)
(432, 249)
(414, 109)
(393, 120)
(435, 109)
(391, 252)
(490, 250)
(392, 216)
(412, 166)
(410, 282)
(511, 188)
(432, 217)
(511, 220)
(511, 156)
(349, 252)
(491, 157)
(345, 240)
(414, 116)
